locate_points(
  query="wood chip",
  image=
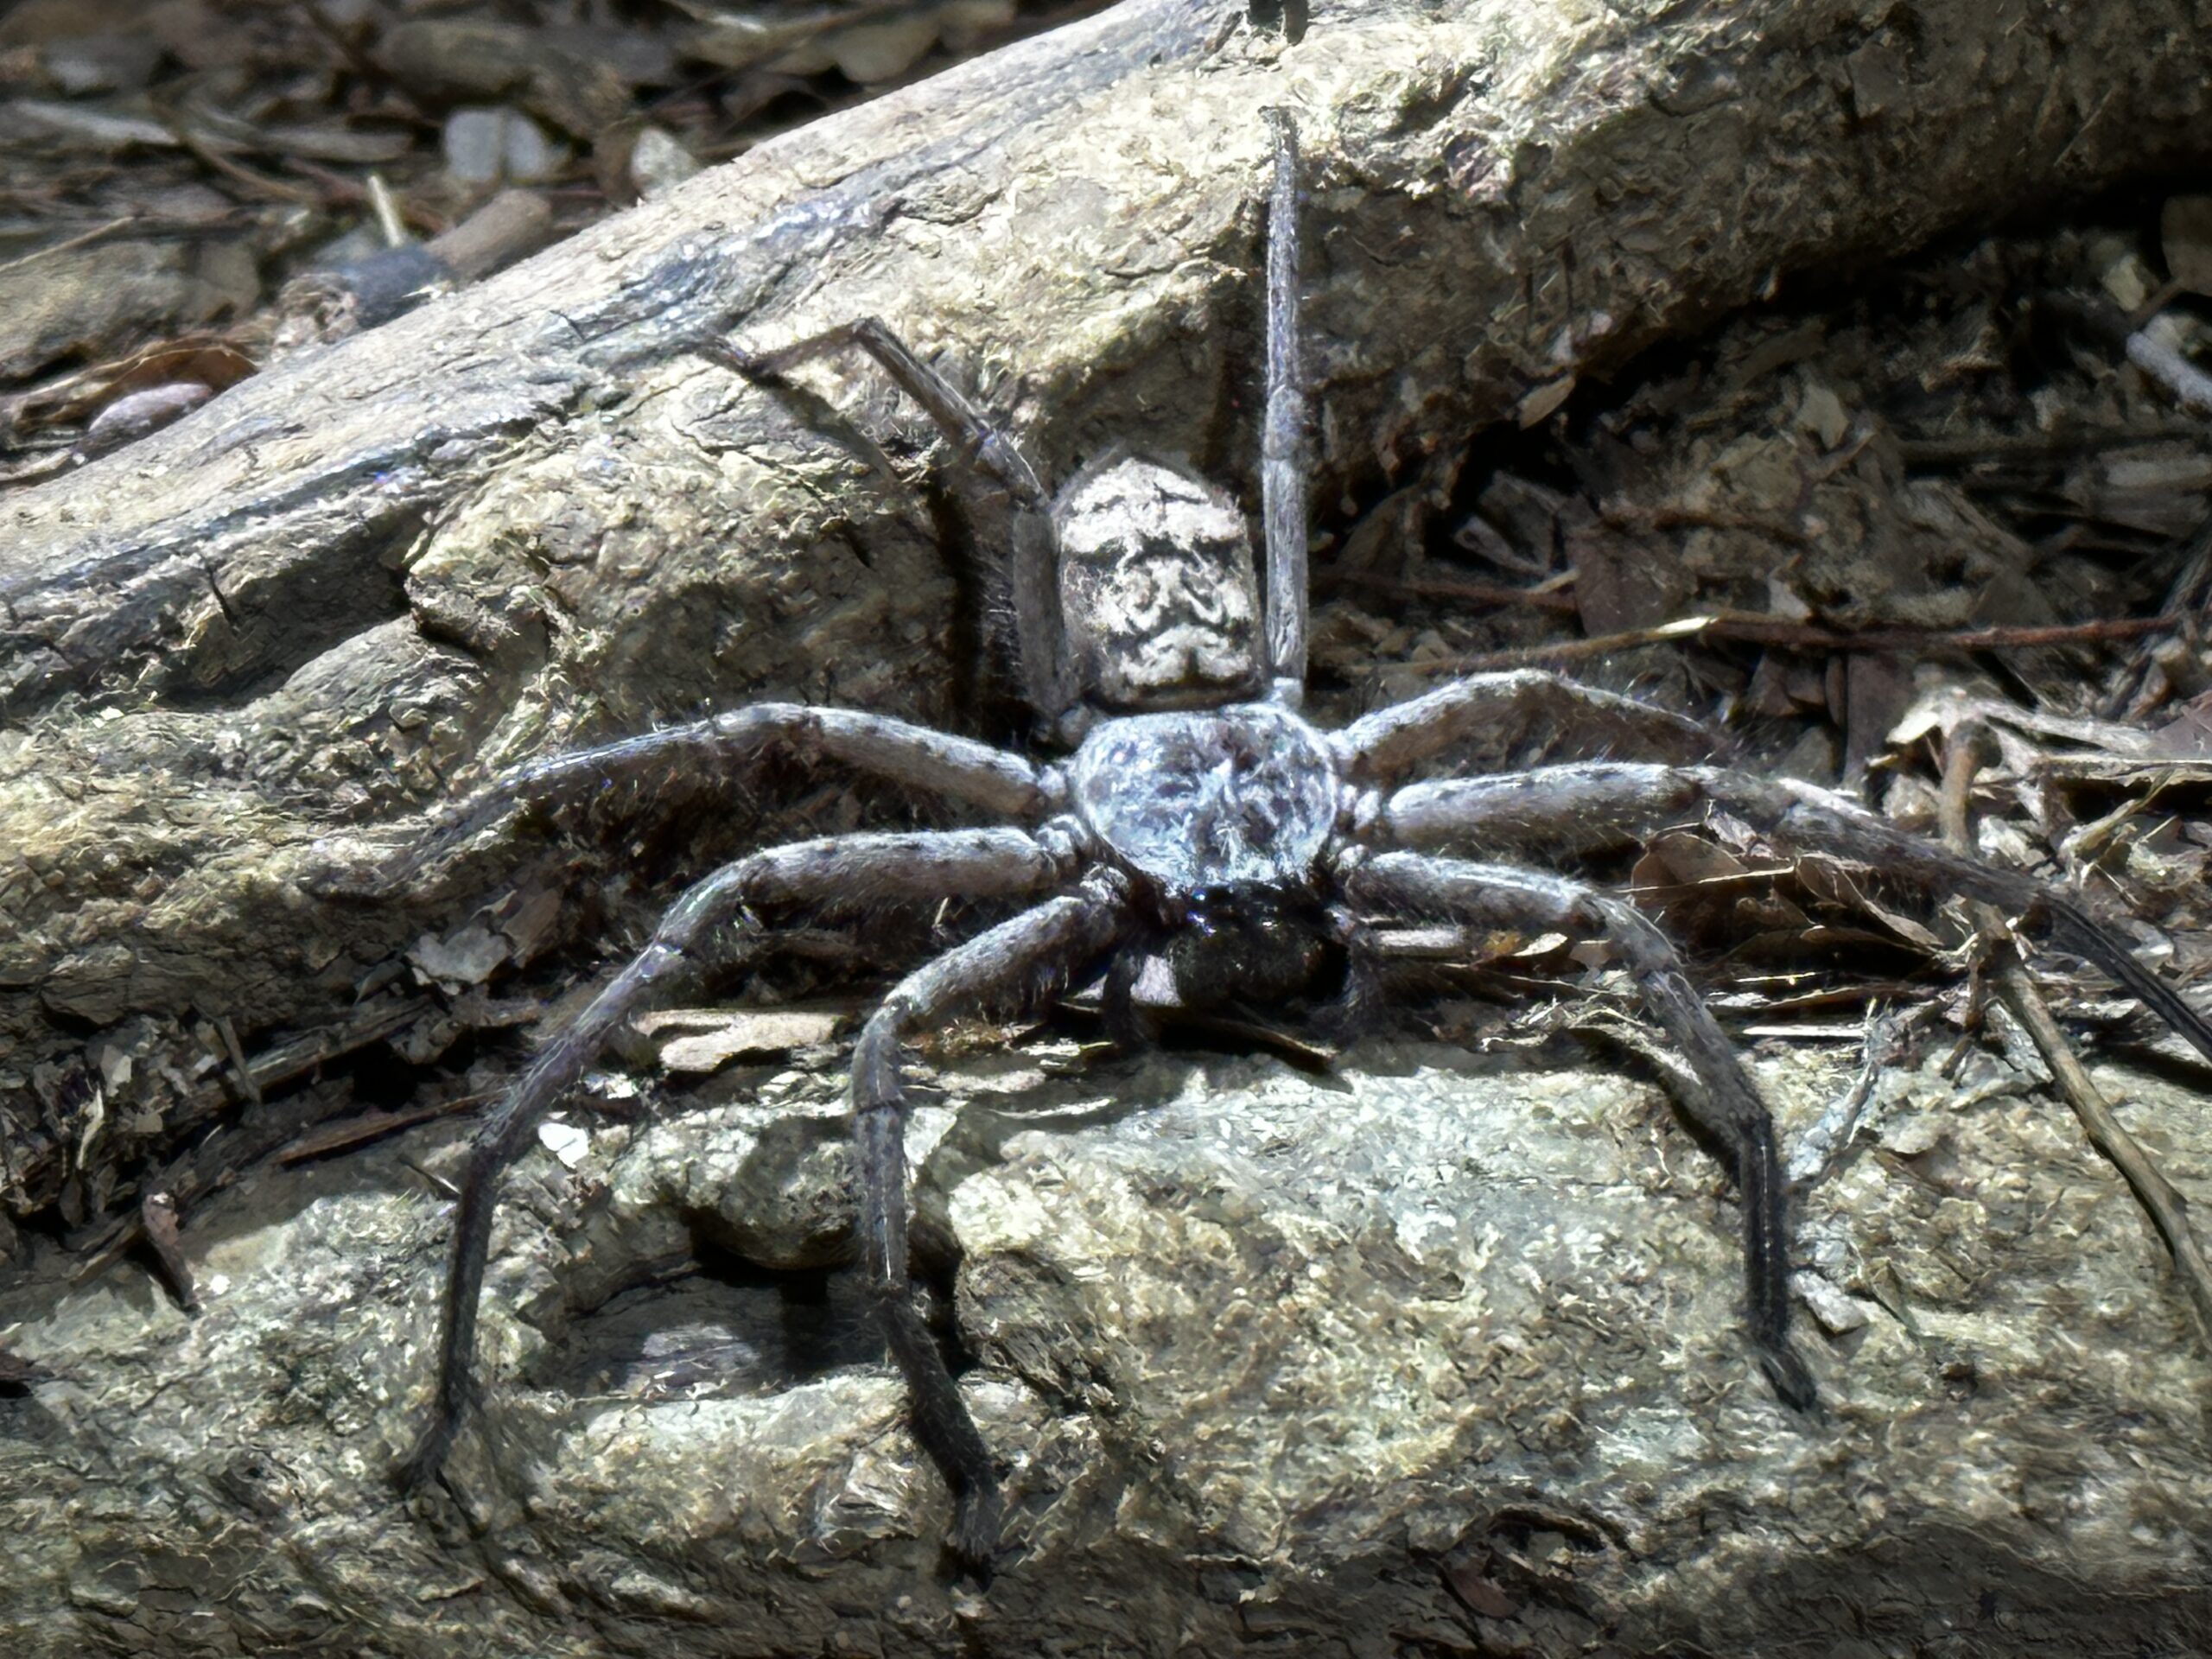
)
(711, 1038)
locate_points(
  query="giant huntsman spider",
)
(1201, 845)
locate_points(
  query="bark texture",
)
(1436, 1355)
(1445, 1363)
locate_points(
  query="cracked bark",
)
(524, 518)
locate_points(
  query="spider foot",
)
(416, 1473)
(978, 1512)
(418, 1470)
(1791, 1381)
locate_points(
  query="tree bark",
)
(526, 516)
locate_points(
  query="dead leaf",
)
(1621, 586)
(1533, 408)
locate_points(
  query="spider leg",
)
(727, 744)
(1566, 808)
(1729, 1109)
(979, 444)
(1016, 962)
(1379, 747)
(841, 873)
(1282, 440)
(1033, 577)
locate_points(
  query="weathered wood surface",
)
(523, 517)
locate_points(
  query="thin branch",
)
(67, 245)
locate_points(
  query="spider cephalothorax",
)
(1208, 798)
(1203, 845)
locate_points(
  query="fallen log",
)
(530, 515)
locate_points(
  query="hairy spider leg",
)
(1017, 964)
(839, 872)
(1047, 680)
(958, 768)
(1566, 808)
(1282, 438)
(1729, 1108)
(1380, 746)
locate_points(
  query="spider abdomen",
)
(1244, 795)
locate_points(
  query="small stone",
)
(659, 162)
(530, 156)
(474, 142)
(565, 1141)
(1836, 1311)
(489, 146)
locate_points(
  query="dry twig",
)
(1737, 626)
(2167, 1209)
